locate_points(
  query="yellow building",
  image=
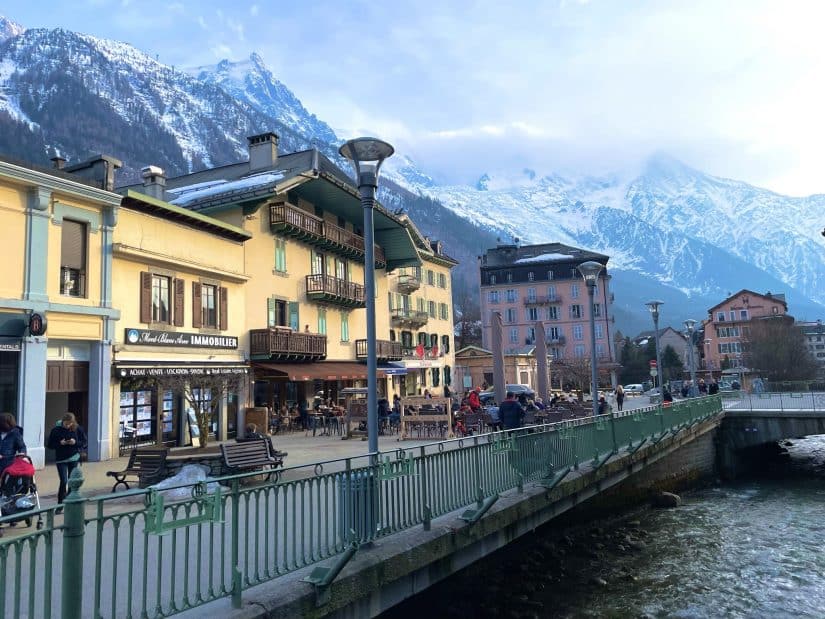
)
(421, 318)
(56, 314)
(179, 282)
(305, 264)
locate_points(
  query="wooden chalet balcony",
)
(424, 352)
(385, 349)
(402, 317)
(408, 283)
(289, 219)
(333, 290)
(542, 300)
(284, 344)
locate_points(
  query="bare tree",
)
(575, 372)
(212, 383)
(776, 349)
(468, 322)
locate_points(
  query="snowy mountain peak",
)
(9, 28)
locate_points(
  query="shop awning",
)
(321, 370)
(147, 369)
(392, 369)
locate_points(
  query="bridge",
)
(354, 537)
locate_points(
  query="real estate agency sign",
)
(149, 337)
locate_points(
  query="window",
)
(445, 343)
(511, 295)
(578, 332)
(422, 339)
(209, 302)
(554, 334)
(492, 280)
(322, 321)
(720, 316)
(531, 276)
(557, 353)
(448, 376)
(406, 339)
(531, 336)
(276, 313)
(574, 291)
(430, 277)
(532, 313)
(597, 310)
(419, 305)
(444, 312)
(436, 373)
(341, 270)
(73, 259)
(550, 274)
(578, 351)
(511, 315)
(509, 277)
(531, 295)
(160, 299)
(202, 398)
(743, 314)
(492, 296)
(317, 263)
(209, 306)
(599, 350)
(575, 311)
(345, 328)
(514, 336)
(442, 280)
(552, 313)
(733, 314)
(599, 331)
(434, 343)
(280, 255)
(431, 308)
(551, 293)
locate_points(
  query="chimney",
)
(154, 181)
(263, 151)
(58, 162)
(100, 169)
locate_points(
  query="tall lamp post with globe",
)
(367, 155)
(654, 306)
(590, 272)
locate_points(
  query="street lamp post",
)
(654, 306)
(590, 272)
(694, 389)
(367, 155)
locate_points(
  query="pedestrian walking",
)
(619, 397)
(68, 439)
(511, 412)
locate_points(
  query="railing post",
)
(237, 577)
(74, 529)
(426, 511)
(613, 433)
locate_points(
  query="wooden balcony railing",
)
(334, 290)
(284, 344)
(542, 300)
(296, 222)
(422, 352)
(406, 317)
(384, 349)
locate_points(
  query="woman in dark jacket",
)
(67, 439)
(11, 440)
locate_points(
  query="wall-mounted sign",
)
(9, 345)
(37, 324)
(147, 337)
(178, 370)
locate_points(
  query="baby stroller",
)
(18, 492)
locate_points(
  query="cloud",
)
(253, 10)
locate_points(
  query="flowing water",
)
(754, 548)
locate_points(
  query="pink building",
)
(727, 327)
(531, 283)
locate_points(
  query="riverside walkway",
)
(146, 554)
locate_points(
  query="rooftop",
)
(545, 253)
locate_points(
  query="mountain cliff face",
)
(672, 232)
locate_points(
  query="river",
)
(753, 548)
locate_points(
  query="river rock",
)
(636, 544)
(667, 499)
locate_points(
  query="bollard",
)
(74, 529)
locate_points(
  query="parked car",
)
(490, 396)
(634, 389)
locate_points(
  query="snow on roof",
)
(200, 191)
(543, 258)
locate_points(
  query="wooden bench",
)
(252, 454)
(146, 464)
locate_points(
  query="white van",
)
(634, 389)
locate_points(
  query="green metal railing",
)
(143, 553)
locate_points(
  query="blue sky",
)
(734, 88)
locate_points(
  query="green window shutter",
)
(322, 321)
(344, 327)
(280, 255)
(294, 321)
(271, 315)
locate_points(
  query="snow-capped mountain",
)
(671, 231)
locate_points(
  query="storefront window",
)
(9, 369)
(168, 416)
(137, 418)
(203, 398)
